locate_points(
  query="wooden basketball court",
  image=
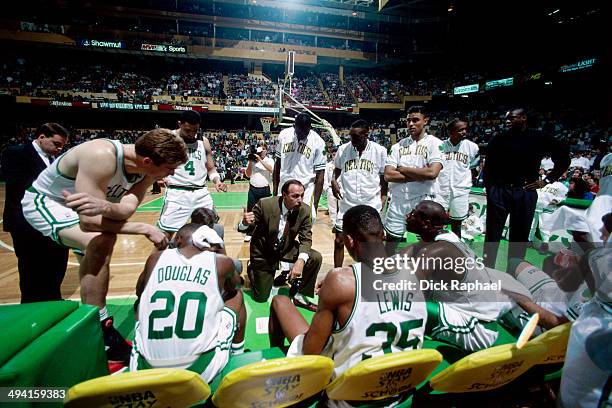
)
(132, 251)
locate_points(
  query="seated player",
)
(208, 216)
(586, 373)
(466, 318)
(350, 326)
(190, 313)
(563, 297)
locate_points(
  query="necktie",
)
(283, 237)
(286, 230)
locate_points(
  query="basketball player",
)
(85, 198)
(360, 164)
(300, 155)
(190, 316)
(586, 379)
(411, 169)
(208, 217)
(564, 298)
(455, 179)
(186, 189)
(347, 326)
(466, 318)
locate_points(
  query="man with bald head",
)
(511, 188)
(466, 318)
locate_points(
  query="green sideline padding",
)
(69, 351)
(22, 324)
(577, 202)
(570, 202)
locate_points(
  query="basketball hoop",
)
(266, 123)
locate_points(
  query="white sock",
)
(103, 313)
(237, 348)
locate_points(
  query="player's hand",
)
(318, 287)
(535, 185)
(220, 186)
(248, 218)
(85, 203)
(163, 182)
(158, 238)
(336, 189)
(296, 271)
(401, 170)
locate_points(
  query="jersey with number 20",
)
(179, 308)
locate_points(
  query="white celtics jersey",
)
(52, 182)
(456, 175)
(360, 175)
(179, 307)
(605, 180)
(300, 160)
(553, 192)
(395, 323)
(574, 303)
(410, 153)
(193, 173)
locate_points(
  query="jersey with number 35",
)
(394, 321)
(193, 173)
(179, 307)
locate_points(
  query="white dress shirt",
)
(43, 155)
(281, 228)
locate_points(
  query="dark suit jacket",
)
(267, 214)
(20, 166)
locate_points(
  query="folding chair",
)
(384, 376)
(167, 387)
(274, 383)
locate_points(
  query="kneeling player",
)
(348, 326)
(184, 321)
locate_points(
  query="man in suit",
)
(283, 233)
(41, 262)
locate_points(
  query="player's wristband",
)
(212, 176)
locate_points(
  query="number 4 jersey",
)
(389, 321)
(179, 308)
(192, 174)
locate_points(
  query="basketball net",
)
(266, 123)
(286, 102)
